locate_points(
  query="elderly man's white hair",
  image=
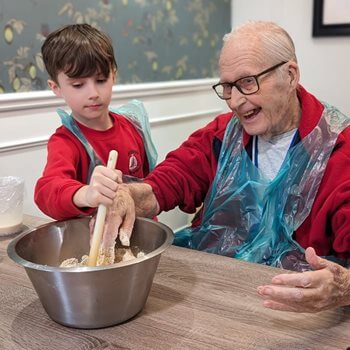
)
(276, 43)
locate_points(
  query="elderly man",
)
(273, 174)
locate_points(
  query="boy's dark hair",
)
(78, 50)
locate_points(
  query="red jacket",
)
(185, 176)
(68, 163)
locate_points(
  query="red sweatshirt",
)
(68, 163)
(185, 176)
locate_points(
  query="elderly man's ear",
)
(293, 74)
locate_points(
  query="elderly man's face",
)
(271, 110)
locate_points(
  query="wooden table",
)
(197, 301)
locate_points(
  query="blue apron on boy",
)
(135, 112)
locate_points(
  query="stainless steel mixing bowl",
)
(89, 297)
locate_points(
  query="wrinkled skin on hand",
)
(119, 220)
(327, 287)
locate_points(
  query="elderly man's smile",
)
(250, 115)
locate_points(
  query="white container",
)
(11, 204)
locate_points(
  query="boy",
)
(82, 68)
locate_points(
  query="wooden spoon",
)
(100, 218)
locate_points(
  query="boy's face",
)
(88, 98)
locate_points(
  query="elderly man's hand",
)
(312, 291)
(130, 199)
(119, 220)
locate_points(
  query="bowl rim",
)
(11, 251)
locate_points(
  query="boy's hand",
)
(101, 190)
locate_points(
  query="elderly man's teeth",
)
(249, 114)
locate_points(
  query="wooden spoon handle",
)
(100, 218)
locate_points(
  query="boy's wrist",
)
(79, 197)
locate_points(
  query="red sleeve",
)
(327, 228)
(337, 183)
(184, 177)
(65, 172)
(341, 223)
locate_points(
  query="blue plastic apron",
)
(248, 217)
(135, 112)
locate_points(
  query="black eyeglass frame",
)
(255, 77)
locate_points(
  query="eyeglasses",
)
(247, 85)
